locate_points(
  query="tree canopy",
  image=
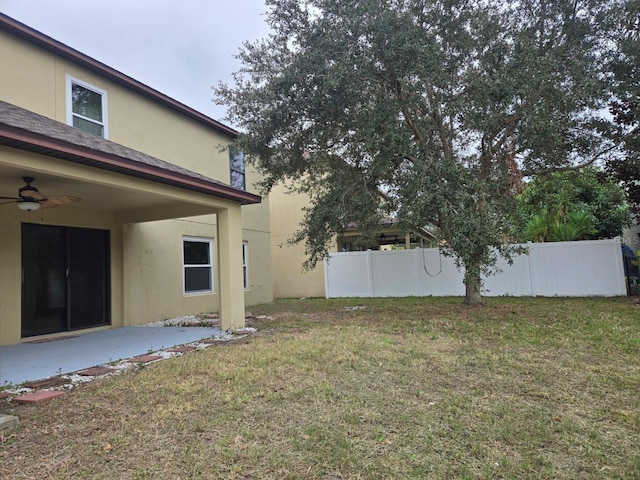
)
(626, 104)
(441, 104)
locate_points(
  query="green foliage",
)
(627, 171)
(437, 103)
(575, 225)
(572, 205)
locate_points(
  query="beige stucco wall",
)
(153, 264)
(256, 232)
(289, 278)
(33, 85)
(260, 287)
(39, 85)
(154, 255)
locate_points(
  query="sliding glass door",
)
(65, 279)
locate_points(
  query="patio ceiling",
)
(131, 205)
(93, 196)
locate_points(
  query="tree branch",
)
(566, 168)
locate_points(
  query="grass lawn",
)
(363, 389)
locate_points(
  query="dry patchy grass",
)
(402, 388)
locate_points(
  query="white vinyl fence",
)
(575, 269)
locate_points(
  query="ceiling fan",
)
(29, 198)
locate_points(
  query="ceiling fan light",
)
(28, 206)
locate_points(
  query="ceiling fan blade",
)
(29, 193)
(32, 195)
(51, 202)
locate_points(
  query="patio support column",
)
(407, 241)
(230, 259)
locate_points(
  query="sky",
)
(181, 48)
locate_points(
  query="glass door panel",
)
(88, 277)
(43, 280)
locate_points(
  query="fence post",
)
(371, 285)
(325, 262)
(623, 284)
(530, 265)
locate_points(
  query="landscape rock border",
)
(68, 381)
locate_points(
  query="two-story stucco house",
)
(138, 214)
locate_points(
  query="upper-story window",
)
(86, 107)
(236, 165)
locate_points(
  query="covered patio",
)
(120, 188)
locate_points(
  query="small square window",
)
(86, 107)
(197, 255)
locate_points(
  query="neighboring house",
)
(164, 225)
(289, 278)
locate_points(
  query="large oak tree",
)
(440, 104)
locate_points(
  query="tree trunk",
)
(472, 283)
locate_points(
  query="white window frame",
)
(70, 81)
(245, 264)
(185, 266)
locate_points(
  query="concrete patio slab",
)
(26, 362)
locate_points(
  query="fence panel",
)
(348, 274)
(577, 268)
(585, 268)
(439, 274)
(395, 273)
(511, 280)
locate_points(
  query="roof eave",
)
(41, 144)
